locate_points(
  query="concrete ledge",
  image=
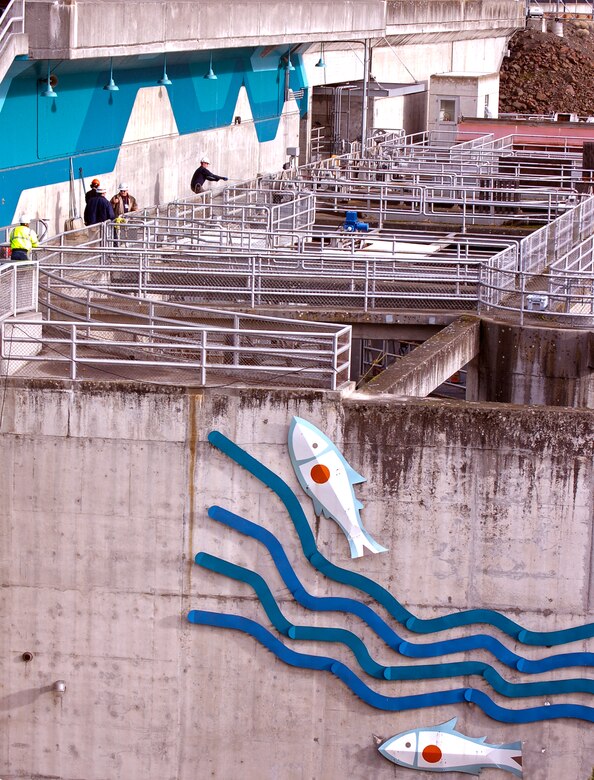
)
(424, 16)
(422, 371)
(91, 28)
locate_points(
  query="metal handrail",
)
(18, 288)
(362, 282)
(564, 299)
(204, 350)
(328, 343)
(12, 16)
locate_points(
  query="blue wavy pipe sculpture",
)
(377, 700)
(374, 589)
(362, 655)
(381, 628)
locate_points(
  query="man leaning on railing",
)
(22, 240)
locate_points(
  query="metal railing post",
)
(203, 357)
(334, 362)
(73, 354)
(236, 340)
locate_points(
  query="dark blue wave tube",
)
(379, 701)
(374, 589)
(362, 655)
(382, 629)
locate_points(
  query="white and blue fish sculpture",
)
(442, 749)
(328, 480)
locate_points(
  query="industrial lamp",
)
(211, 75)
(164, 81)
(320, 63)
(111, 86)
(289, 64)
(48, 91)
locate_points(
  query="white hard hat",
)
(122, 186)
(205, 159)
(24, 219)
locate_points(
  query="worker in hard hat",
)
(95, 184)
(202, 174)
(122, 202)
(22, 239)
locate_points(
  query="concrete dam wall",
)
(104, 506)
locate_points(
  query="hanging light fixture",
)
(48, 91)
(211, 74)
(164, 81)
(289, 65)
(320, 63)
(111, 86)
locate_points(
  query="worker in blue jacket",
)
(98, 209)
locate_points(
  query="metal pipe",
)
(365, 98)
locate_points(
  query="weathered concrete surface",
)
(432, 20)
(152, 142)
(88, 28)
(432, 363)
(103, 507)
(528, 365)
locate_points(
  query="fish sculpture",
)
(442, 749)
(328, 480)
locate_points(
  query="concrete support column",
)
(532, 365)
(305, 136)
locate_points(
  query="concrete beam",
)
(414, 17)
(536, 365)
(430, 365)
(76, 29)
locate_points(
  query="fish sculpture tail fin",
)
(364, 541)
(509, 757)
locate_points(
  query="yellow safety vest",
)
(22, 237)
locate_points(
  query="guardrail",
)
(194, 353)
(565, 299)
(18, 288)
(180, 239)
(235, 346)
(359, 282)
(549, 276)
(12, 21)
(199, 253)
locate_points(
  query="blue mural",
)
(87, 122)
(404, 648)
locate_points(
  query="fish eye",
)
(315, 445)
(407, 745)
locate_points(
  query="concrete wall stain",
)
(480, 505)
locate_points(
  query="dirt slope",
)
(545, 73)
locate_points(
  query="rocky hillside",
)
(545, 73)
